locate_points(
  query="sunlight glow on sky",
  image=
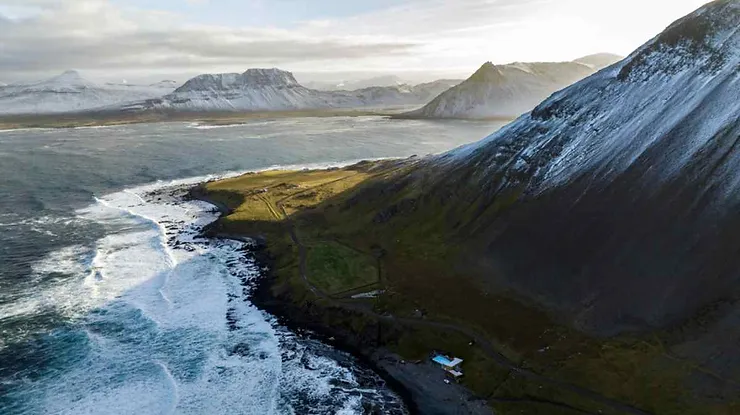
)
(318, 38)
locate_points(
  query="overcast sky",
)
(317, 39)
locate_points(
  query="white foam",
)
(214, 126)
(13, 130)
(152, 300)
(68, 260)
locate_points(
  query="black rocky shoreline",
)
(297, 319)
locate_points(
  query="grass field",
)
(264, 200)
(337, 269)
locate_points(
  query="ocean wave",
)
(15, 130)
(198, 126)
(167, 325)
(84, 127)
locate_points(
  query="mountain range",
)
(274, 90)
(498, 91)
(70, 92)
(506, 91)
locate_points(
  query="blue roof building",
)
(450, 365)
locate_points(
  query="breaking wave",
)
(159, 322)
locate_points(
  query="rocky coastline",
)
(420, 385)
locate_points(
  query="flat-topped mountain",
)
(275, 90)
(252, 78)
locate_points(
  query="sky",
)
(421, 40)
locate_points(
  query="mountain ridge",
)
(505, 91)
(277, 90)
(609, 133)
(70, 92)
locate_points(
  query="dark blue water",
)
(99, 315)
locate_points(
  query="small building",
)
(451, 365)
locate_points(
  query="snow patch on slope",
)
(667, 104)
(274, 89)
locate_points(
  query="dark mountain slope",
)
(612, 205)
(628, 184)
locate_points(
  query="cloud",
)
(47, 36)
(95, 35)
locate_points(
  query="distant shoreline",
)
(107, 119)
(415, 116)
(205, 119)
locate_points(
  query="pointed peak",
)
(68, 79)
(707, 37)
(487, 66)
(488, 72)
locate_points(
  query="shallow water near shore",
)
(111, 303)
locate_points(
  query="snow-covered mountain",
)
(628, 183)
(274, 90)
(70, 92)
(506, 91)
(613, 205)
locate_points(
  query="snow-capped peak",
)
(66, 82)
(709, 35)
(70, 92)
(250, 79)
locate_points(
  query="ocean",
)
(111, 303)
